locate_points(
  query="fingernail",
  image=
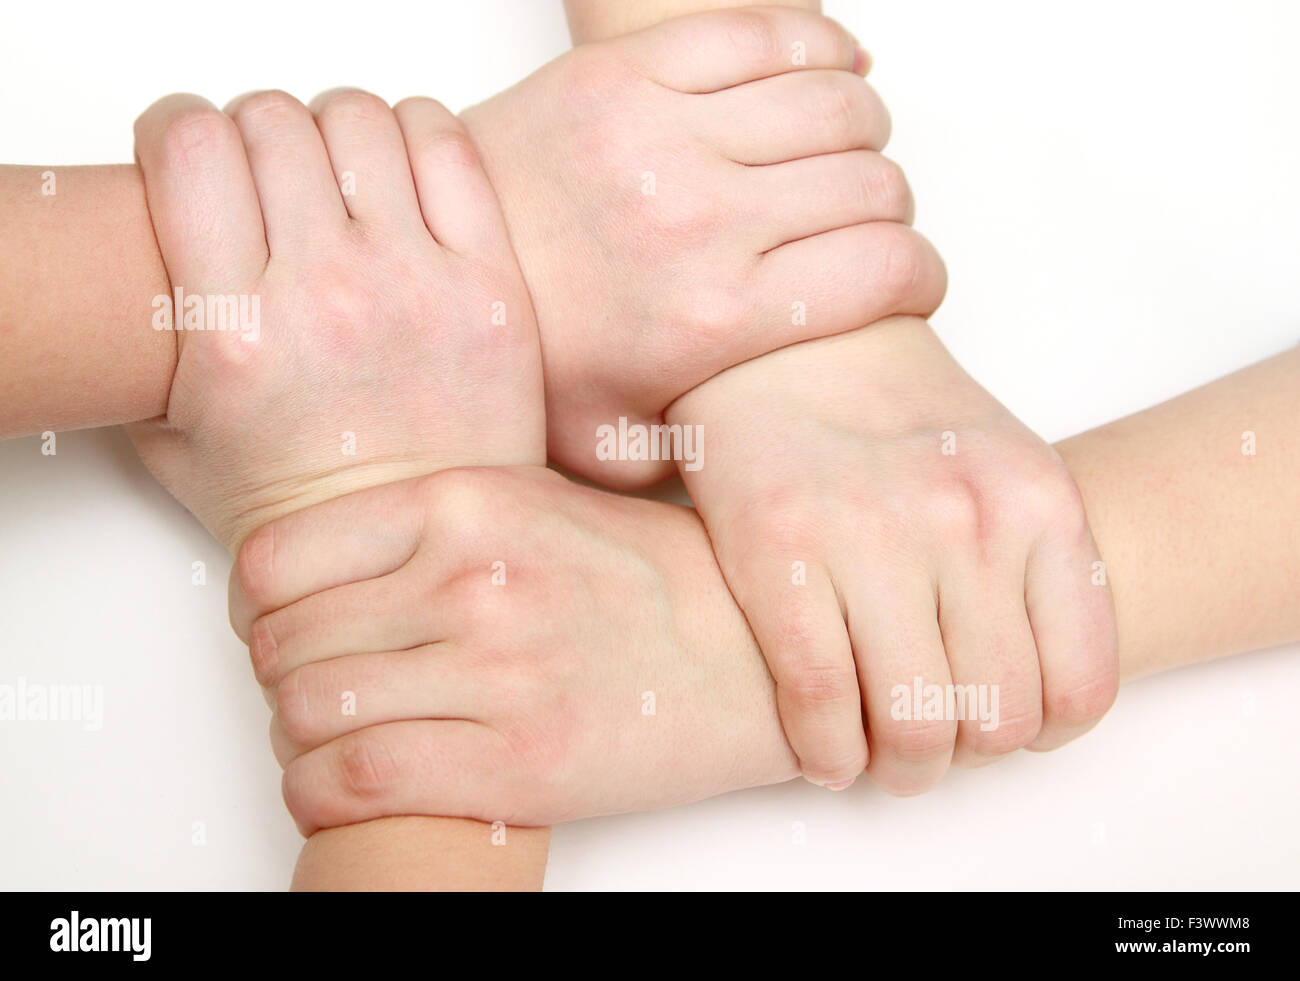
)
(861, 61)
(842, 785)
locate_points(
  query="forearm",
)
(1201, 541)
(423, 854)
(598, 20)
(78, 275)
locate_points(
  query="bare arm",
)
(421, 853)
(79, 272)
(1201, 540)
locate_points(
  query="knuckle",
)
(678, 219)
(919, 740)
(348, 106)
(367, 768)
(542, 744)
(798, 629)
(539, 738)
(414, 103)
(448, 146)
(262, 652)
(808, 627)
(822, 768)
(815, 685)
(342, 304)
(1049, 494)
(255, 567)
(230, 360)
(886, 190)
(194, 132)
(953, 510)
(1085, 703)
(911, 274)
(905, 265)
(753, 35)
(836, 106)
(712, 317)
(296, 789)
(881, 122)
(425, 493)
(456, 499)
(293, 707)
(267, 110)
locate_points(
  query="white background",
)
(1113, 187)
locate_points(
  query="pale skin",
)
(62, 293)
(706, 386)
(76, 357)
(321, 776)
(841, 462)
(889, 535)
(81, 269)
(595, 238)
(741, 183)
(395, 337)
(1201, 544)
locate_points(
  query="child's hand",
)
(691, 196)
(884, 522)
(392, 333)
(501, 644)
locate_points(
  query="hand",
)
(511, 646)
(692, 196)
(394, 334)
(880, 518)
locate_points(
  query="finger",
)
(201, 196)
(393, 612)
(714, 50)
(1073, 620)
(993, 662)
(349, 539)
(788, 117)
(432, 767)
(459, 205)
(291, 170)
(901, 664)
(368, 156)
(322, 701)
(840, 280)
(796, 618)
(820, 194)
